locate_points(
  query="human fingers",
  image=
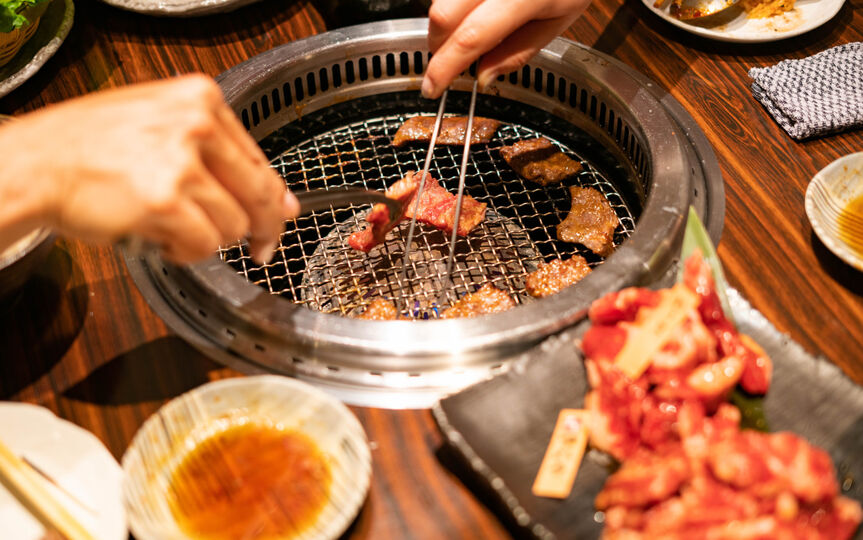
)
(482, 30)
(221, 207)
(232, 125)
(257, 188)
(444, 17)
(186, 234)
(522, 45)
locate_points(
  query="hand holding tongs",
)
(310, 201)
(321, 199)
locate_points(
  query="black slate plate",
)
(498, 430)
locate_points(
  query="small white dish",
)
(829, 192)
(168, 436)
(90, 477)
(736, 27)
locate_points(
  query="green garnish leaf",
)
(751, 407)
(751, 410)
(13, 13)
(696, 237)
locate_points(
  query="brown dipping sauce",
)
(850, 230)
(250, 481)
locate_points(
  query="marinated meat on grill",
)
(591, 221)
(701, 362)
(488, 299)
(380, 309)
(540, 161)
(452, 130)
(379, 217)
(720, 482)
(436, 208)
(553, 277)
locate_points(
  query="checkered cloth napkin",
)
(816, 95)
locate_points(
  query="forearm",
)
(25, 183)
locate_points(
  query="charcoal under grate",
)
(315, 266)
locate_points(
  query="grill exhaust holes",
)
(311, 86)
(256, 116)
(286, 92)
(298, 89)
(402, 63)
(265, 107)
(325, 81)
(277, 102)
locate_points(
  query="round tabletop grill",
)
(325, 110)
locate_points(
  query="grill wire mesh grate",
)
(315, 266)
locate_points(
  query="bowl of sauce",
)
(264, 457)
(834, 205)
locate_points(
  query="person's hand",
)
(166, 161)
(505, 33)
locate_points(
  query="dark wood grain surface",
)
(82, 341)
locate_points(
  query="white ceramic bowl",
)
(828, 194)
(175, 430)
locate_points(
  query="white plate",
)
(53, 28)
(75, 459)
(178, 427)
(736, 27)
(830, 190)
(179, 8)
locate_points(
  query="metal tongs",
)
(310, 201)
(322, 199)
(447, 281)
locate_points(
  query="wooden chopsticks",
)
(30, 489)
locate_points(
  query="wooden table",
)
(83, 342)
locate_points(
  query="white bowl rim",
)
(833, 243)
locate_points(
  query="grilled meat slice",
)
(380, 309)
(553, 277)
(436, 208)
(591, 221)
(488, 299)
(452, 129)
(379, 216)
(540, 161)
